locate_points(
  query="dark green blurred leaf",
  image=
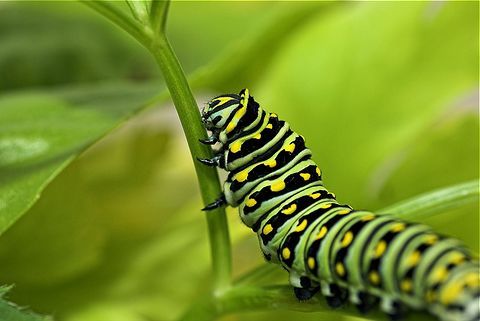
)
(41, 133)
(46, 44)
(11, 312)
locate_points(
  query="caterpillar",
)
(346, 254)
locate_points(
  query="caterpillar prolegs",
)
(326, 246)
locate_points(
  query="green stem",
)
(436, 202)
(153, 38)
(158, 15)
(138, 10)
(208, 178)
(107, 9)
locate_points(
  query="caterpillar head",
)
(219, 111)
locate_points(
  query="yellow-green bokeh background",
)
(386, 94)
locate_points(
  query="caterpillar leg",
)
(307, 289)
(221, 201)
(214, 161)
(394, 309)
(304, 294)
(334, 295)
(211, 140)
(363, 301)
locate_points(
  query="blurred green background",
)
(386, 94)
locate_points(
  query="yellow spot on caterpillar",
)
(340, 269)
(286, 253)
(317, 170)
(368, 217)
(406, 285)
(273, 115)
(230, 127)
(430, 296)
(305, 176)
(290, 210)
(311, 263)
(414, 258)
(326, 205)
(222, 100)
(440, 274)
(343, 212)
(267, 229)
(347, 239)
(269, 126)
(315, 195)
(374, 277)
(398, 227)
(472, 280)
(271, 163)
(235, 147)
(457, 258)
(242, 176)
(250, 202)
(431, 239)
(290, 148)
(380, 248)
(257, 136)
(277, 186)
(451, 293)
(322, 233)
(301, 226)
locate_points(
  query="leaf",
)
(434, 202)
(361, 94)
(50, 44)
(113, 244)
(42, 133)
(243, 55)
(11, 312)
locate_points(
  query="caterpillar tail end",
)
(459, 298)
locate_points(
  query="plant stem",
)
(153, 38)
(208, 178)
(107, 9)
(158, 15)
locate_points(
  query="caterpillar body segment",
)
(326, 246)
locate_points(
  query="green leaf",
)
(11, 312)
(40, 134)
(435, 202)
(361, 94)
(244, 299)
(71, 46)
(239, 61)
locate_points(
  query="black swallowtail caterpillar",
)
(347, 254)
